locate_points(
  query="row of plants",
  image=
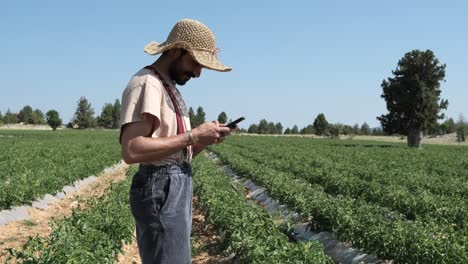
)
(435, 169)
(96, 233)
(415, 205)
(248, 230)
(376, 229)
(33, 163)
(91, 235)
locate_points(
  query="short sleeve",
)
(144, 98)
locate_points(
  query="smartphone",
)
(234, 123)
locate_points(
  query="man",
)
(155, 132)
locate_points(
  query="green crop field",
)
(33, 163)
(400, 203)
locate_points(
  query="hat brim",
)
(206, 58)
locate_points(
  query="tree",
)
(413, 96)
(435, 129)
(365, 129)
(10, 118)
(279, 128)
(84, 114)
(348, 130)
(201, 115)
(295, 130)
(308, 130)
(448, 126)
(38, 117)
(26, 115)
(461, 129)
(222, 118)
(263, 127)
(191, 115)
(53, 119)
(106, 119)
(336, 130)
(1, 118)
(116, 114)
(287, 131)
(253, 129)
(272, 128)
(321, 124)
(377, 131)
(199, 118)
(356, 129)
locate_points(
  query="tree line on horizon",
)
(412, 97)
(110, 117)
(83, 118)
(321, 127)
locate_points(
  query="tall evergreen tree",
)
(1, 118)
(253, 129)
(106, 119)
(413, 96)
(321, 125)
(263, 127)
(356, 129)
(199, 118)
(116, 114)
(84, 114)
(295, 130)
(365, 129)
(222, 118)
(279, 128)
(191, 114)
(271, 128)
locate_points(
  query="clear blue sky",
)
(291, 59)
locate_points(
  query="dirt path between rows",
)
(206, 242)
(15, 234)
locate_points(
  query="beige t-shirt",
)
(145, 93)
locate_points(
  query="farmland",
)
(33, 163)
(400, 203)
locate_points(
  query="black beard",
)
(176, 74)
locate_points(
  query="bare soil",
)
(15, 234)
(449, 139)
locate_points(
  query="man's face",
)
(184, 67)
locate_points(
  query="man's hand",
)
(210, 133)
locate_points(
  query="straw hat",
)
(196, 38)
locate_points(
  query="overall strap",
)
(180, 124)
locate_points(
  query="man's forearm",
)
(144, 149)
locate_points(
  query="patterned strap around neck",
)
(180, 124)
